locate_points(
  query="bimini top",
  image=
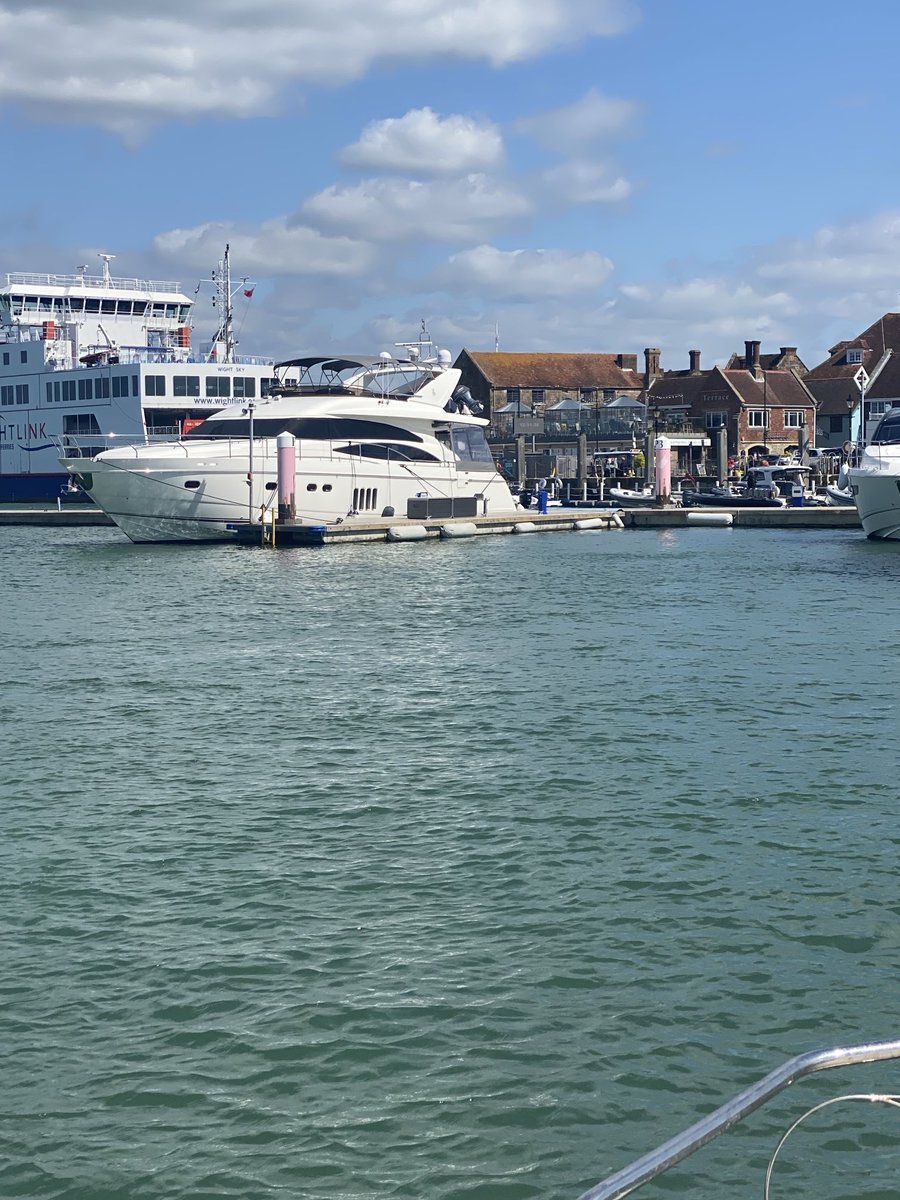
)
(382, 376)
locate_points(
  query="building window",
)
(537, 395)
(758, 418)
(155, 385)
(836, 424)
(513, 396)
(713, 420)
(793, 418)
(877, 408)
(588, 395)
(854, 356)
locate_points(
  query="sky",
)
(542, 175)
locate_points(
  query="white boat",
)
(644, 497)
(386, 437)
(875, 482)
(839, 493)
(89, 356)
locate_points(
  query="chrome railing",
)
(729, 1114)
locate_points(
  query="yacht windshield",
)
(470, 445)
(888, 431)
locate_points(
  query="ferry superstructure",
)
(94, 356)
(371, 437)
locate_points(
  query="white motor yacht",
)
(875, 481)
(383, 437)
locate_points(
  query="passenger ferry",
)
(97, 357)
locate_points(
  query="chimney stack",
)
(651, 368)
(751, 358)
(695, 362)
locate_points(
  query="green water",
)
(458, 871)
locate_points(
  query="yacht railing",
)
(729, 1114)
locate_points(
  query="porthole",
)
(192, 483)
(311, 487)
(270, 487)
(326, 487)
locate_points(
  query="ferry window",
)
(23, 356)
(245, 387)
(192, 483)
(101, 388)
(6, 358)
(311, 487)
(91, 306)
(49, 392)
(119, 385)
(85, 389)
(6, 395)
(22, 393)
(187, 385)
(68, 389)
(80, 423)
(326, 487)
(56, 392)
(155, 385)
(135, 385)
(218, 385)
(265, 386)
(108, 307)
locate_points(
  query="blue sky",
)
(586, 175)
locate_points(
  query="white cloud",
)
(526, 275)
(125, 68)
(575, 126)
(583, 182)
(275, 248)
(390, 210)
(425, 144)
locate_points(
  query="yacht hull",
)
(154, 501)
(878, 502)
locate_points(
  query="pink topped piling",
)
(663, 448)
(287, 472)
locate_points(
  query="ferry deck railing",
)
(651, 1165)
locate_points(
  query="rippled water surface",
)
(467, 871)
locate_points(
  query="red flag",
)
(248, 292)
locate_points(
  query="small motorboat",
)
(644, 497)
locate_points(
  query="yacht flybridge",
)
(88, 356)
(370, 434)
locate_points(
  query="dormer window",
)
(855, 356)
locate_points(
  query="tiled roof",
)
(506, 370)
(883, 334)
(776, 388)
